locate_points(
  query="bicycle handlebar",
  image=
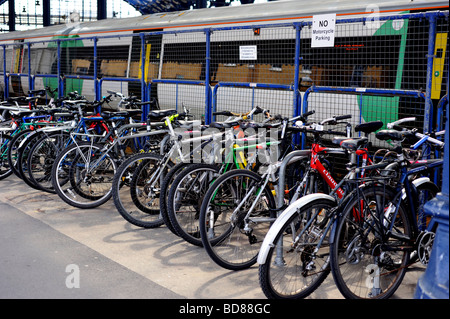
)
(396, 123)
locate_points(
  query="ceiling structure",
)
(154, 6)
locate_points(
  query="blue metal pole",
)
(434, 282)
(428, 115)
(297, 105)
(60, 85)
(145, 108)
(98, 93)
(5, 76)
(30, 82)
(208, 112)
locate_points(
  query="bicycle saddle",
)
(394, 135)
(37, 92)
(108, 114)
(222, 125)
(369, 127)
(134, 112)
(254, 125)
(157, 114)
(352, 144)
(22, 113)
(338, 139)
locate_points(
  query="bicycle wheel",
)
(185, 199)
(136, 189)
(424, 192)
(366, 260)
(22, 157)
(5, 169)
(13, 148)
(41, 158)
(297, 265)
(82, 175)
(231, 235)
(165, 188)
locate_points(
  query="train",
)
(249, 44)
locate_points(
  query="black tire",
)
(130, 189)
(79, 186)
(185, 199)
(5, 169)
(13, 149)
(41, 158)
(361, 267)
(293, 268)
(220, 236)
(165, 188)
(22, 160)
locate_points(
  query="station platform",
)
(41, 236)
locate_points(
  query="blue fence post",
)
(428, 115)
(29, 67)
(5, 75)
(208, 112)
(98, 93)
(434, 282)
(296, 103)
(60, 80)
(143, 83)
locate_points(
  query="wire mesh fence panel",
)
(376, 56)
(183, 67)
(17, 68)
(390, 54)
(254, 55)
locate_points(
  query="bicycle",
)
(377, 239)
(189, 181)
(239, 208)
(82, 173)
(294, 256)
(118, 124)
(140, 204)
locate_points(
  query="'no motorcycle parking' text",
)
(323, 30)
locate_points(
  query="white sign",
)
(248, 52)
(323, 30)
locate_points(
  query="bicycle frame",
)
(405, 189)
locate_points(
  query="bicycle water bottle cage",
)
(369, 127)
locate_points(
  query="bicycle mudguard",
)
(281, 220)
(417, 182)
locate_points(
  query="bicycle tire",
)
(221, 243)
(41, 160)
(293, 268)
(361, 268)
(13, 148)
(77, 186)
(165, 188)
(5, 169)
(22, 158)
(129, 183)
(185, 199)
